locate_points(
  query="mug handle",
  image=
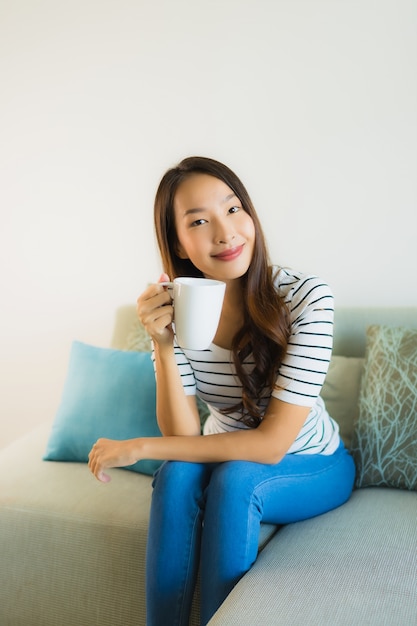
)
(169, 285)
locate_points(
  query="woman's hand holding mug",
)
(195, 310)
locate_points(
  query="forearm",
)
(250, 445)
(266, 444)
(247, 445)
(174, 413)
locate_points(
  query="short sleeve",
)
(304, 367)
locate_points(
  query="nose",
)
(224, 233)
(226, 238)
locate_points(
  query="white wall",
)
(312, 102)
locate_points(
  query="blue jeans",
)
(209, 516)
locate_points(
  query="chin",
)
(231, 273)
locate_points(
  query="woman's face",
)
(214, 231)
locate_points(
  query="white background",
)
(312, 102)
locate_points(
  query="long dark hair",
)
(264, 335)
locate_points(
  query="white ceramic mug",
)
(197, 307)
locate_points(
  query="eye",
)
(198, 222)
(234, 209)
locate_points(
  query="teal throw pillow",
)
(385, 434)
(107, 393)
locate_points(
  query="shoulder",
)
(300, 289)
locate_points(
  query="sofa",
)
(72, 550)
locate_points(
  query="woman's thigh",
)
(299, 487)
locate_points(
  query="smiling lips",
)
(230, 254)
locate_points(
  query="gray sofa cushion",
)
(72, 549)
(71, 544)
(354, 565)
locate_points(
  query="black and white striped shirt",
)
(210, 373)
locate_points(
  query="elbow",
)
(185, 426)
(273, 458)
(270, 452)
(269, 456)
(178, 431)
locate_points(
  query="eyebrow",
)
(199, 210)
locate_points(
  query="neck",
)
(233, 296)
(232, 316)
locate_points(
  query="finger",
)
(103, 477)
(92, 460)
(146, 295)
(97, 471)
(160, 310)
(150, 291)
(155, 296)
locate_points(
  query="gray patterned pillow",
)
(385, 435)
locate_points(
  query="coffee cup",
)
(197, 307)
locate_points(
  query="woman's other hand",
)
(108, 453)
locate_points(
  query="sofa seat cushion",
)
(354, 565)
(72, 549)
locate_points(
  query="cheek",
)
(188, 247)
(249, 227)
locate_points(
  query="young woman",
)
(269, 452)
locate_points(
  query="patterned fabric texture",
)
(138, 339)
(385, 434)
